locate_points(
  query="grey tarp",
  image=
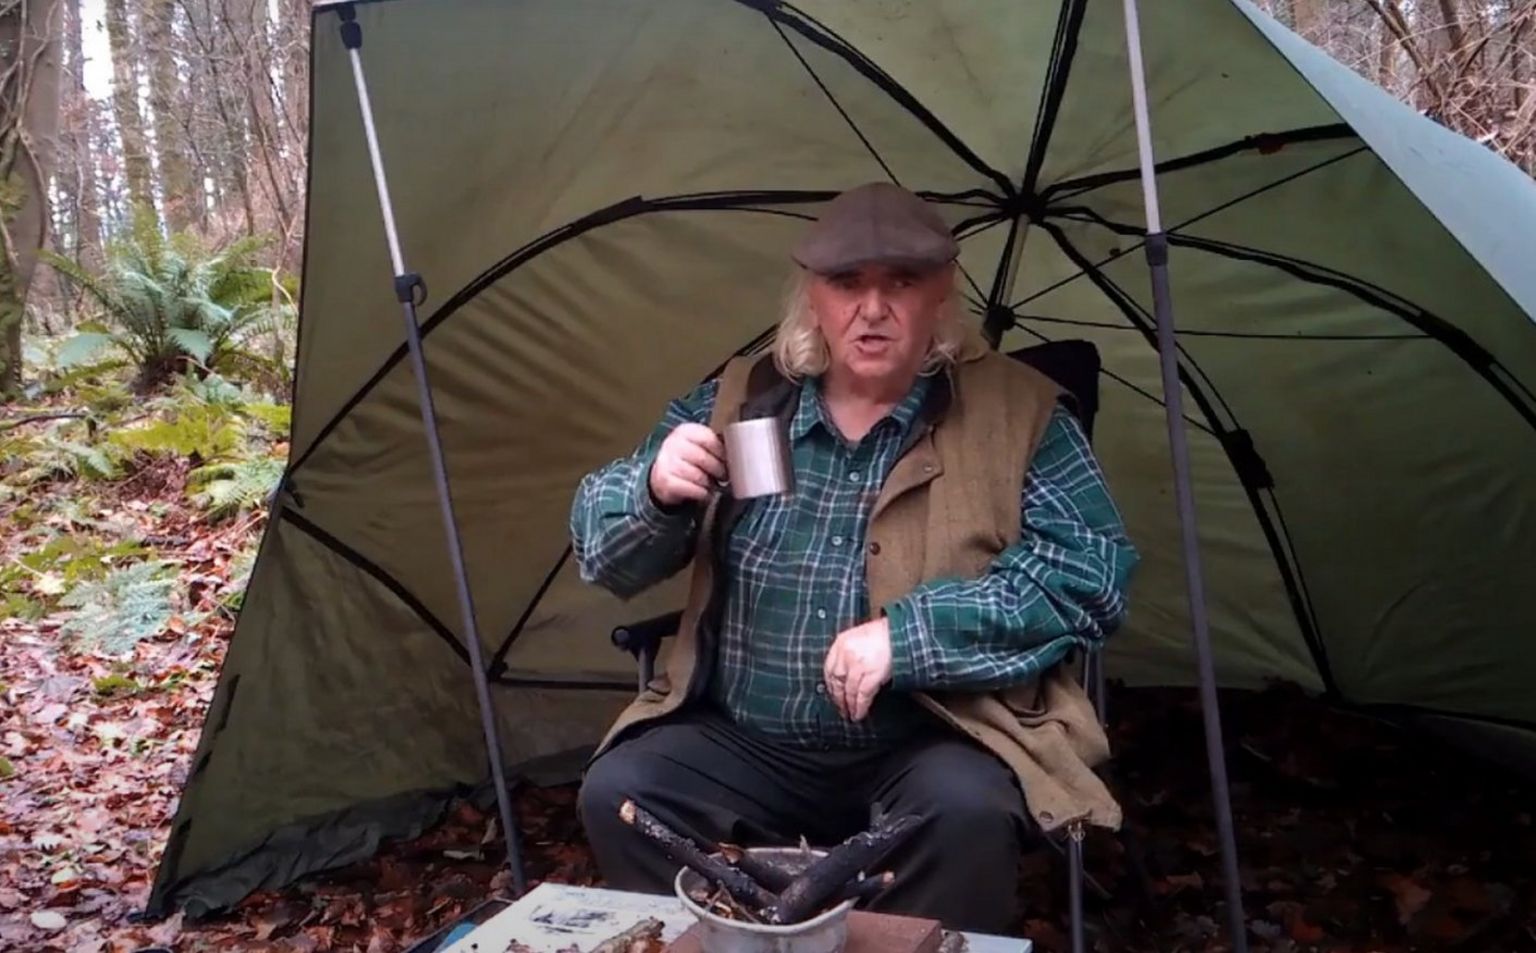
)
(600, 195)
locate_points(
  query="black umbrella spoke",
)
(1262, 143)
(1078, 211)
(817, 33)
(497, 665)
(1135, 388)
(1069, 25)
(1251, 472)
(1514, 391)
(1235, 335)
(833, 100)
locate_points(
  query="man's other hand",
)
(858, 664)
(690, 457)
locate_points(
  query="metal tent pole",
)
(1157, 261)
(407, 287)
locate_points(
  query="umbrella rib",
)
(1069, 211)
(368, 566)
(743, 201)
(498, 660)
(1459, 342)
(1242, 335)
(1063, 51)
(818, 33)
(1135, 388)
(1260, 142)
(816, 78)
(1289, 572)
(779, 29)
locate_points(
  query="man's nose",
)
(874, 305)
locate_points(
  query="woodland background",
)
(152, 167)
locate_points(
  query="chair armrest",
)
(645, 635)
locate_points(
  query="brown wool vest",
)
(948, 507)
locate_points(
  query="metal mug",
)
(757, 458)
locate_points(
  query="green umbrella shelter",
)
(599, 196)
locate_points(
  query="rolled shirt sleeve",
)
(622, 538)
(1063, 585)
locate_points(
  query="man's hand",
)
(858, 664)
(691, 455)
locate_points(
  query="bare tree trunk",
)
(164, 94)
(1386, 57)
(125, 103)
(226, 114)
(29, 113)
(81, 109)
(295, 37)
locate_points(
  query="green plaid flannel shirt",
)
(797, 573)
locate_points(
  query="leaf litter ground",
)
(1355, 834)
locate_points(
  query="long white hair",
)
(800, 349)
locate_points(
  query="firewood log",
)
(824, 878)
(746, 891)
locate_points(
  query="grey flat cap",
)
(877, 222)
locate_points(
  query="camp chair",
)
(1074, 365)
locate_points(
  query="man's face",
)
(878, 319)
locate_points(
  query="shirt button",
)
(837, 541)
(821, 689)
(821, 613)
(853, 477)
(874, 549)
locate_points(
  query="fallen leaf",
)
(49, 584)
(276, 917)
(1410, 897)
(50, 920)
(1265, 929)
(165, 933)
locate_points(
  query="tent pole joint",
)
(410, 289)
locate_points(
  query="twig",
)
(648, 929)
(763, 871)
(686, 852)
(35, 418)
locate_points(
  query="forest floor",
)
(1354, 834)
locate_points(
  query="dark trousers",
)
(712, 780)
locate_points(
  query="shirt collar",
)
(812, 410)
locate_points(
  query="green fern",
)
(202, 432)
(231, 488)
(117, 612)
(276, 418)
(171, 302)
(55, 455)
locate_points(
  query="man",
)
(889, 632)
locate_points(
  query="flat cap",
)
(875, 223)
